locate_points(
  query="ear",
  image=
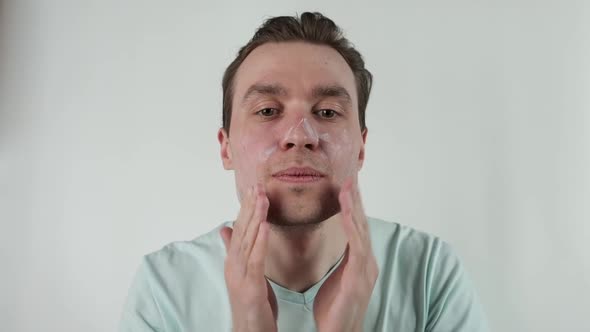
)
(226, 157)
(362, 150)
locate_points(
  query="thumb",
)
(226, 233)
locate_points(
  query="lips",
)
(299, 174)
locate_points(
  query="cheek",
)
(342, 151)
(250, 153)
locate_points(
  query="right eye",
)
(268, 112)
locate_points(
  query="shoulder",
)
(397, 237)
(410, 253)
(428, 271)
(177, 276)
(183, 258)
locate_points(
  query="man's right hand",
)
(253, 302)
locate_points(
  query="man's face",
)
(295, 129)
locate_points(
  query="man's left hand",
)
(341, 302)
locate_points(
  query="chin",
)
(300, 211)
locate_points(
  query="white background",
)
(479, 132)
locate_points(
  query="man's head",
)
(294, 105)
(312, 28)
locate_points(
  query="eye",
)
(327, 113)
(268, 112)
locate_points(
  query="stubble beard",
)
(298, 211)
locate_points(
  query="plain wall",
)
(479, 126)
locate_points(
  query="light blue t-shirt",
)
(422, 286)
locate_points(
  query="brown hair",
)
(309, 27)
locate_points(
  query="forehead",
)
(298, 66)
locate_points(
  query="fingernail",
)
(259, 188)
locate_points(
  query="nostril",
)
(310, 146)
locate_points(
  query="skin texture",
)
(258, 146)
(295, 105)
(342, 301)
(253, 303)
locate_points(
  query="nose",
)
(300, 135)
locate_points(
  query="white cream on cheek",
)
(267, 152)
(335, 146)
(250, 159)
(335, 150)
(244, 165)
(339, 148)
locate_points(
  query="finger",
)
(260, 213)
(350, 229)
(258, 255)
(345, 256)
(226, 233)
(244, 212)
(241, 224)
(359, 216)
(356, 195)
(347, 191)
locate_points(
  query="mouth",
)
(299, 175)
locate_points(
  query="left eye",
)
(327, 113)
(267, 112)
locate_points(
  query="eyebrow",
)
(275, 89)
(271, 89)
(331, 91)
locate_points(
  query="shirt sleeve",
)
(141, 312)
(453, 302)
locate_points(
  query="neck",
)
(298, 258)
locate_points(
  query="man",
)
(301, 254)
